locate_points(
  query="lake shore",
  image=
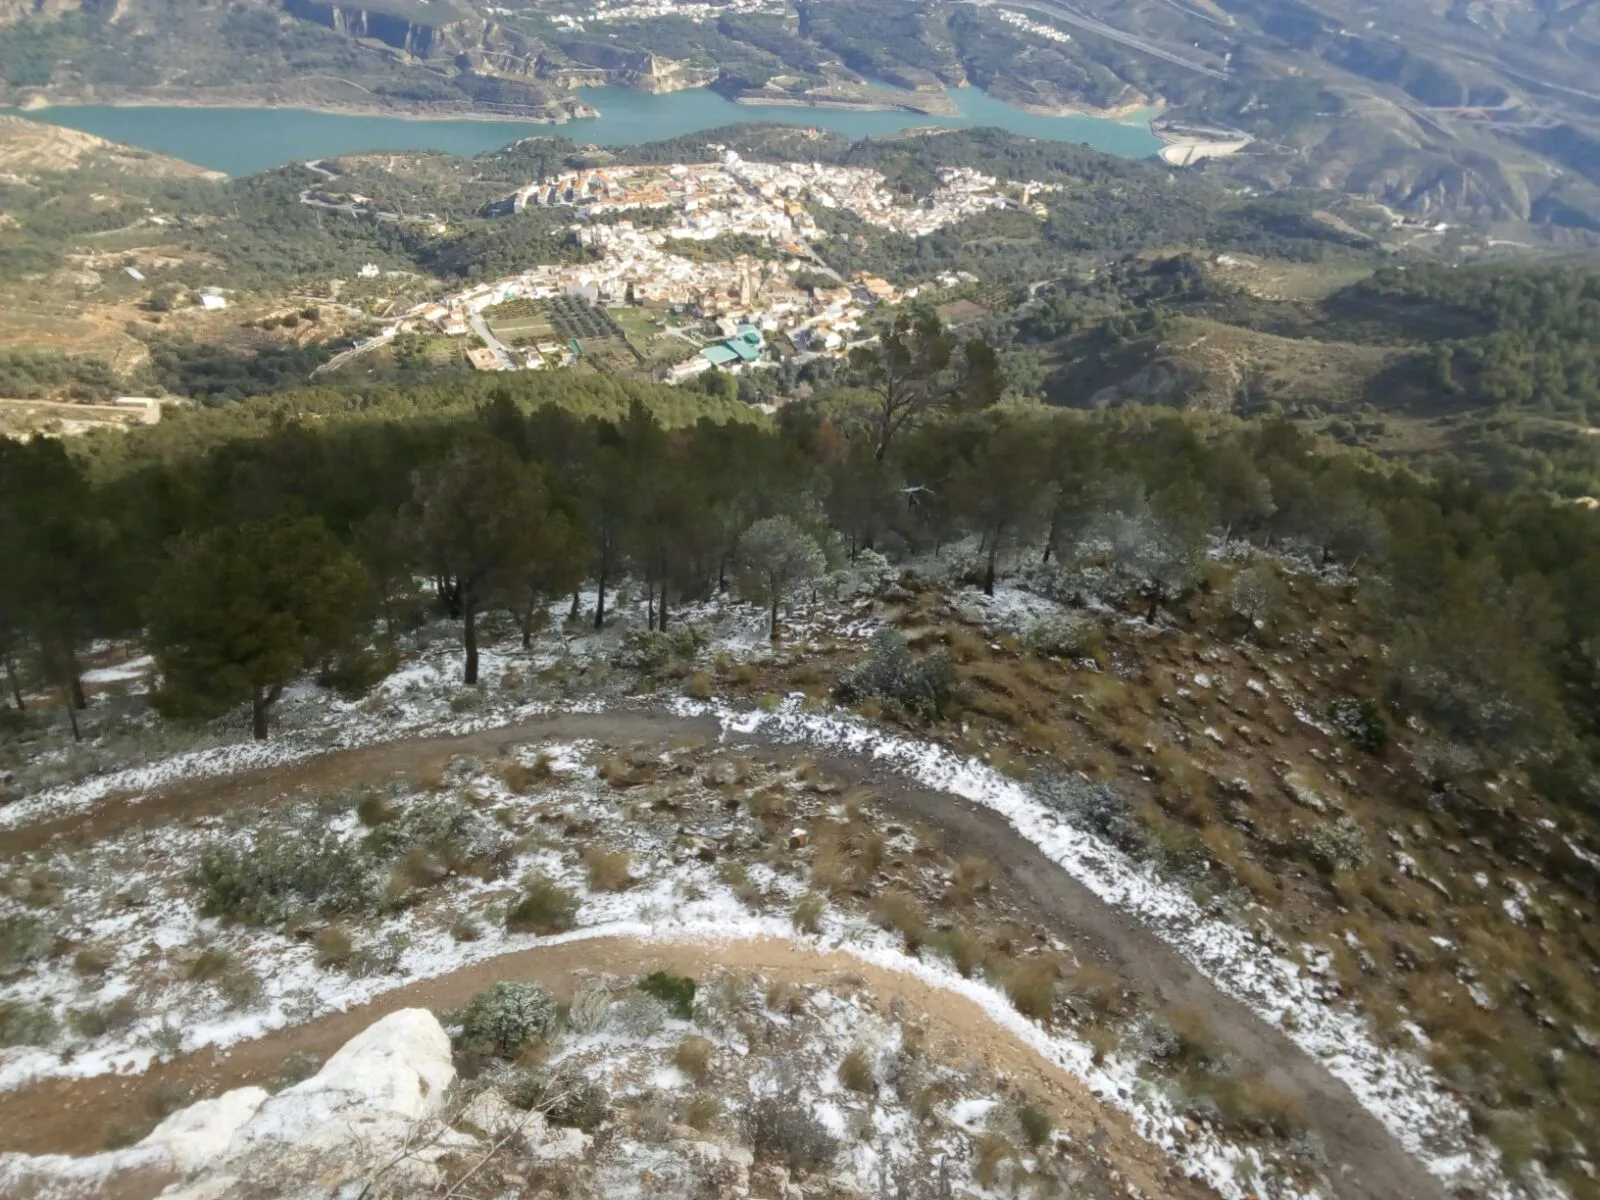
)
(930, 108)
(246, 138)
(35, 106)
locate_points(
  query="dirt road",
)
(62, 1115)
(1365, 1162)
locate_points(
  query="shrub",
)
(296, 1068)
(649, 650)
(1058, 637)
(921, 687)
(457, 837)
(855, 1072)
(1035, 1125)
(1096, 807)
(278, 874)
(590, 1010)
(1360, 721)
(699, 686)
(380, 956)
(466, 929)
(609, 870)
(373, 809)
(807, 916)
(104, 1018)
(693, 1057)
(23, 940)
(505, 1017)
(1334, 845)
(675, 991)
(782, 1130)
(566, 1100)
(240, 987)
(25, 1024)
(544, 908)
(356, 672)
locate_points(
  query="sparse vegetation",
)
(506, 1016)
(545, 907)
(782, 1129)
(694, 1056)
(856, 1072)
(608, 870)
(675, 991)
(25, 1024)
(921, 688)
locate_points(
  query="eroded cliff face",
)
(633, 69)
(422, 31)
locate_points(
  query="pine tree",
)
(777, 556)
(240, 612)
(486, 527)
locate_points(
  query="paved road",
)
(502, 352)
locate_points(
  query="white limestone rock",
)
(200, 1135)
(391, 1075)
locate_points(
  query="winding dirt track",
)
(1365, 1162)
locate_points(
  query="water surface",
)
(240, 141)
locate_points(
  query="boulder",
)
(559, 1145)
(200, 1135)
(381, 1081)
(489, 1114)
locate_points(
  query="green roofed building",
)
(746, 343)
(744, 346)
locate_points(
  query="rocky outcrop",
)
(423, 31)
(635, 69)
(362, 1104)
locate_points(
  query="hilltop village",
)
(653, 233)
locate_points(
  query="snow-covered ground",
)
(1417, 1107)
(675, 899)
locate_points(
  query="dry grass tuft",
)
(94, 960)
(1031, 984)
(974, 877)
(994, 1151)
(523, 778)
(695, 1057)
(1250, 1102)
(1097, 990)
(699, 686)
(898, 910)
(807, 916)
(848, 857)
(333, 947)
(622, 774)
(855, 1072)
(609, 870)
(785, 997)
(964, 950)
(702, 1112)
